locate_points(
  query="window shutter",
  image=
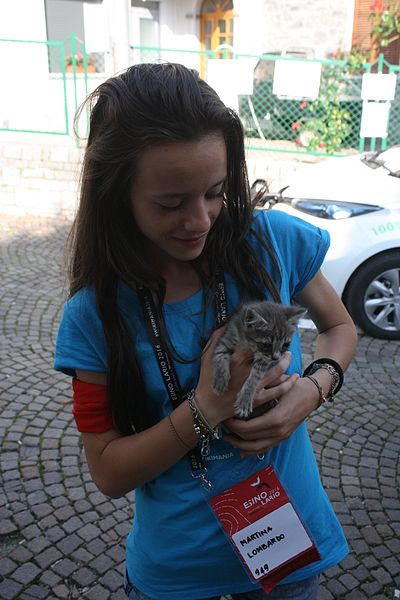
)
(361, 25)
(362, 29)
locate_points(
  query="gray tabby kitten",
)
(266, 328)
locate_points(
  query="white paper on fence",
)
(378, 86)
(297, 79)
(231, 78)
(374, 119)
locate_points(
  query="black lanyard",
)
(167, 369)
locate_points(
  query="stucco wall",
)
(321, 25)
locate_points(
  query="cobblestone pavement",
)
(61, 538)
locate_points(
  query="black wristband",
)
(312, 367)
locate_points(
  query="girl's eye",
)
(219, 194)
(169, 207)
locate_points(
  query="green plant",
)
(385, 22)
(329, 126)
(356, 59)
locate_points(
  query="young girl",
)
(165, 245)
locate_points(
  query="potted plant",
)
(80, 64)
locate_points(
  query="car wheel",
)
(372, 296)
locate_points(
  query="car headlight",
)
(329, 209)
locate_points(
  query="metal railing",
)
(47, 81)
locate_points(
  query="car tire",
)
(372, 296)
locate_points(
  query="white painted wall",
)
(249, 29)
(180, 29)
(22, 19)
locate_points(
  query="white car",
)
(357, 199)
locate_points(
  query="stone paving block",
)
(7, 528)
(62, 591)
(36, 592)
(6, 566)
(349, 581)
(46, 488)
(112, 581)
(102, 564)
(381, 575)
(64, 567)
(50, 578)
(98, 592)
(89, 532)
(9, 589)
(54, 534)
(324, 594)
(20, 554)
(26, 573)
(48, 557)
(356, 595)
(81, 555)
(73, 524)
(69, 543)
(119, 594)
(96, 547)
(84, 577)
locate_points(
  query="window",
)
(64, 17)
(216, 26)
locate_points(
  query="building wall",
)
(320, 25)
(23, 20)
(38, 178)
(180, 28)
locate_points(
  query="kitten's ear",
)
(294, 313)
(250, 316)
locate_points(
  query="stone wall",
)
(319, 25)
(39, 178)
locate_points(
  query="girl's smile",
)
(177, 196)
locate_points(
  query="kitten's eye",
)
(266, 347)
(285, 346)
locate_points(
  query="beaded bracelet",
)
(201, 426)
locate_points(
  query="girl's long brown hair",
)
(146, 105)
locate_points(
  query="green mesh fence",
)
(328, 124)
(44, 83)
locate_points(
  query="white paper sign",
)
(272, 540)
(229, 78)
(374, 119)
(297, 79)
(378, 86)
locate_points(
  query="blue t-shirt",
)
(176, 549)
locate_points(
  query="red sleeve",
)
(91, 409)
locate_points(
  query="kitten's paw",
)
(242, 407)
(220, 386)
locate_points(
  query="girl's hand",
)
(262, 433)
(218, 408)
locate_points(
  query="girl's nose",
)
(198, 218)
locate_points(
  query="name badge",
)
(264, 528)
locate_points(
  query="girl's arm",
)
(336, 339)
(118, 463)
